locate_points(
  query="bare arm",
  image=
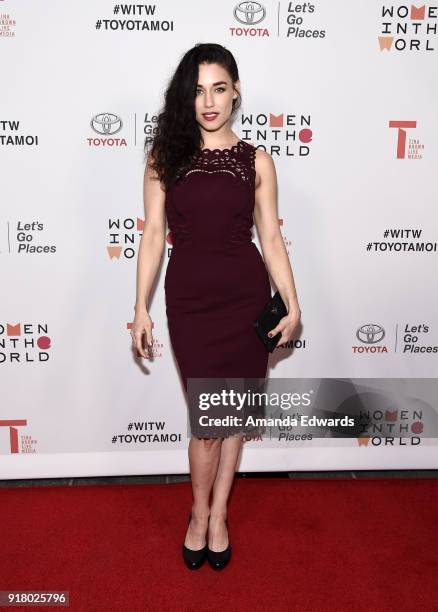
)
(150, 253)
(153, 238)
(272, 243)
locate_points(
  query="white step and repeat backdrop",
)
(341, 93)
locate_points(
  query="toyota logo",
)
(106, 123)
(371, 333)
(249, 13)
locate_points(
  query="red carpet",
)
(304, 545)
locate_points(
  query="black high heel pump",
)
(219, 560)
(194, 559)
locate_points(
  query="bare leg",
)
(204, 455)
(217, 530)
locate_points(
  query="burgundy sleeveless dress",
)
(216, 281)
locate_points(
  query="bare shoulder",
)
(150, 162)
(150, 173)
(264, 166)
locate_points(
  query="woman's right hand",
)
(142, 325)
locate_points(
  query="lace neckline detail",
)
(235, 147)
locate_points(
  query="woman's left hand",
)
(287, 325)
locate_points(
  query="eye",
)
(221, 89)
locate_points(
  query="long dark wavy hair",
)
(178, 139)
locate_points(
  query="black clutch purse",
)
(270, 316)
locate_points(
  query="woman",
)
(209, 184)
